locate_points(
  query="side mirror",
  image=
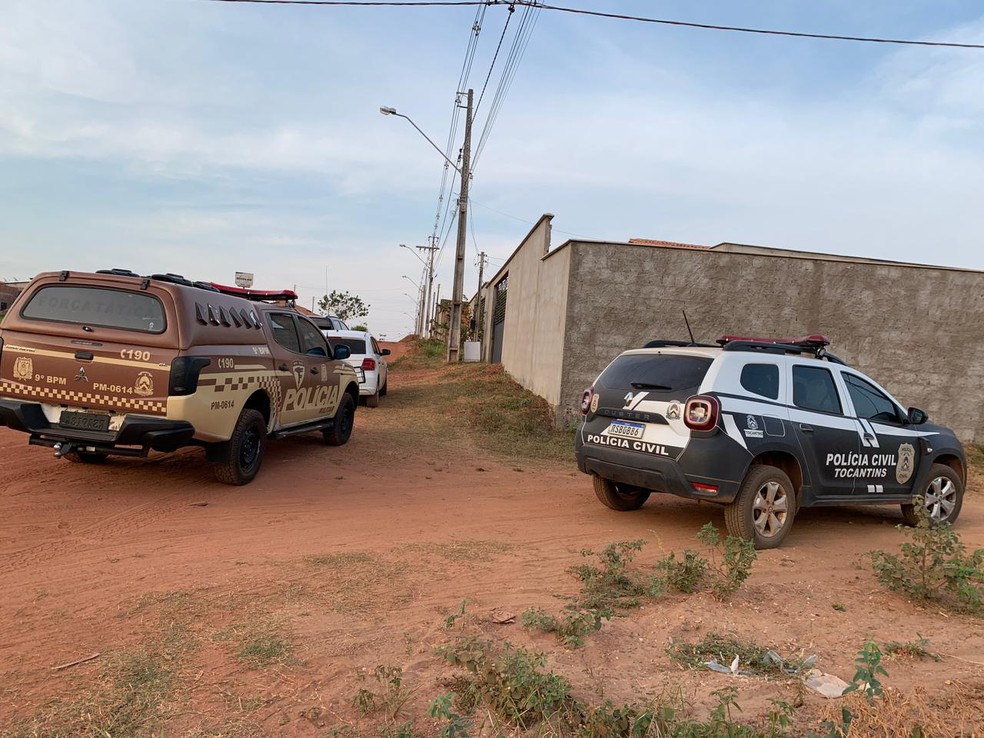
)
(341, 352)
(385, 352)
(917, 416)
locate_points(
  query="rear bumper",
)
(137, 434)
(654, 473)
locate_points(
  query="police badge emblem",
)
(907, 462)
(144, 386)
(23, 367)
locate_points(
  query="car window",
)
(656, 373)
(761, 379)
(869, 402)
(284, 332)
(814, 389)
(312, 341)
(356, 345)
(96, 306)
(375, 346)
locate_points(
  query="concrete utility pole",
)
(478, 296)
(454, 335)
(430, 282)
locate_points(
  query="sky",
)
(205, 138)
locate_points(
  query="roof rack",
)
(815, 345)
(663, 342)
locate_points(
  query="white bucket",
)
(473, 351)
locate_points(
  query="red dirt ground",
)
(359, 553)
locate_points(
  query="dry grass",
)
(956, 711)
(483, 402)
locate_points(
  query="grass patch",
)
(423, 353)
(132, 695)
(260, 644)
(462, 550)
(723, 649)
(482, 401)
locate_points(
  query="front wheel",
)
(764, 509)
(240, 457)
(341, 429)
(621, 497)
(942, 498)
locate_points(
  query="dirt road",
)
(354, 557)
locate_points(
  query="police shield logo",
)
(144, 386)
(23, 367)
(298, 373)
(907, 463)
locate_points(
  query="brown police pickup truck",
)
(116, 363)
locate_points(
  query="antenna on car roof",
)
(692, 339)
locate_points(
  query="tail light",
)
(586, 399)
(184, 374)
(701, 412)
(369, 365)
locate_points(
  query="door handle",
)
(283, 368)
(806, 428)
(869, 437)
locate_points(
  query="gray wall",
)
(536, 309)
(916, 330)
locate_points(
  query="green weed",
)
(510, 681)
(935, 566)
(731, 561)
(390, 699)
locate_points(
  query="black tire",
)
(942, 497)
(240, 457)
(341, 430)
(86, 457)
(373, 400)
(764, 509)
(621, 497)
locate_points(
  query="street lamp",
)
(454, 332)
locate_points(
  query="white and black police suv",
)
(764, 427)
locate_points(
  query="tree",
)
(346, 306)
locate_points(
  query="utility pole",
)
(454, 335)
(437, 301)
(478, 296)
(426, 328)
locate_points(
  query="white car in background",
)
(367, 356)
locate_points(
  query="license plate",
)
(625, 429)
(84, 421)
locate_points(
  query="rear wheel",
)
(621, 497)
(764, 509)
(86, 457)
(240, 457)
(341, 430)
(942, 498)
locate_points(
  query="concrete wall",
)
(536, 310)
(916, 330)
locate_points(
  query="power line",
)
(614, 16)
(763, 31)
(495, 56)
